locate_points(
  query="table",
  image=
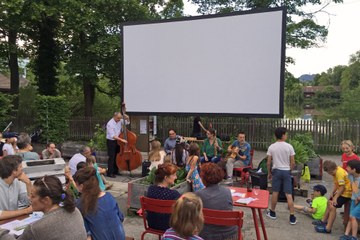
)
(261, 203)
(15, 218)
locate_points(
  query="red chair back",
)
(224, 218)
(154, 205)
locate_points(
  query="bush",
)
(98, 142)
(52, 117)
(5, 110)
(303, 145)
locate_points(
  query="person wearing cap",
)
(318, 203)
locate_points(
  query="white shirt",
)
(281, 153)
(9, 149)
(114, 128)
(11, 195)
(74, 161)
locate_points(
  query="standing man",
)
(282, 155)
(113, 130)
(170, 142)
(243, 157)
(15, 188)
(51, 151)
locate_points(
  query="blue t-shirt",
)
(106, 222)
(355, 185)
(243, 150)
(160, 221)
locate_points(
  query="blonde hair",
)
(90, 160)
(187, 217)
(349, 143)
(154, 154)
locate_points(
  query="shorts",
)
(341, 201)
(354, 210)
(282, 177)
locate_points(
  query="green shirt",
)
(209, 149)
(320, 203)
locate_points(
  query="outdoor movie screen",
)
(230, 64)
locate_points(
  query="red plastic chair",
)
(224, 218)
(241, 170)
(154, 205)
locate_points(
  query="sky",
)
(343, 39)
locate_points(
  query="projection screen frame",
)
(194, 18)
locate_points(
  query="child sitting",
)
(318, 203)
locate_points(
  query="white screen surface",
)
(220, 65)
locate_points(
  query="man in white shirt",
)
(79, 157)
(15, 188)
(113, 130)
(282, 155)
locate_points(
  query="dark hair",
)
(9, 164)
(354, 164)
(329, 166)
(279, 132)
(211, 174)
(194, 149)
(48, 145)
(171, 129)
(212, 131)
(241, 132)
(164, 170)
(23, 140)
(320, 188)
(90, 191)
(179, 151)
(50, 186)
(80, 165)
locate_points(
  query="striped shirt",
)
(170, 234)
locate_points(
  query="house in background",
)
(5, 83)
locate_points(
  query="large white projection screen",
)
(231, 64)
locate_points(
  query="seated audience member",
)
(156, 155)
(61, 219)
(318, 203)
(70, 184)
(102, 216)
(25, 148)
(353, 168)
(10, 147)
(179, 154)
(211, 149)
(91, 162)
(192, 165)
(340, 195)
(79, 157)
(51, 152)
(15, 188)
(165, 177)
(348, 153)
(243, 157)
(186, 219)
(170, 142)
(215, 197)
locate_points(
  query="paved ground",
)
(276, 229)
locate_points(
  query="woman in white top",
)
(10, 147)
(156, 155)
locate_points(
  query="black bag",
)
(145, 168)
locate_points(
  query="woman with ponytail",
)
(61, 219)
(102, 216)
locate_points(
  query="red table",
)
(261, 203)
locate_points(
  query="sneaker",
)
(292, 219)
(271, 214)
(229, 180)
(352, 238)
(322, 229)
(309, 201)
(344, 237)
(318, 223)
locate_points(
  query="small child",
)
(318, 203)
(353, 168)
(348, 153)
(91, 162)
(186, 219)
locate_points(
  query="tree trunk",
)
(13, 63)
(89, 96)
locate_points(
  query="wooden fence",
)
(327, 135)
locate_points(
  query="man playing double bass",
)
(113, 130)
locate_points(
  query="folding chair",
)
(242, 170)
(154, 205)
(224, 218)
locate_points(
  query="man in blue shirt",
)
(243, 157)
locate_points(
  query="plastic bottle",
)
(248, 182)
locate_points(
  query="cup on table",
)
(256, 190)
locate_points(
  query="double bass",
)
(129, 158)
